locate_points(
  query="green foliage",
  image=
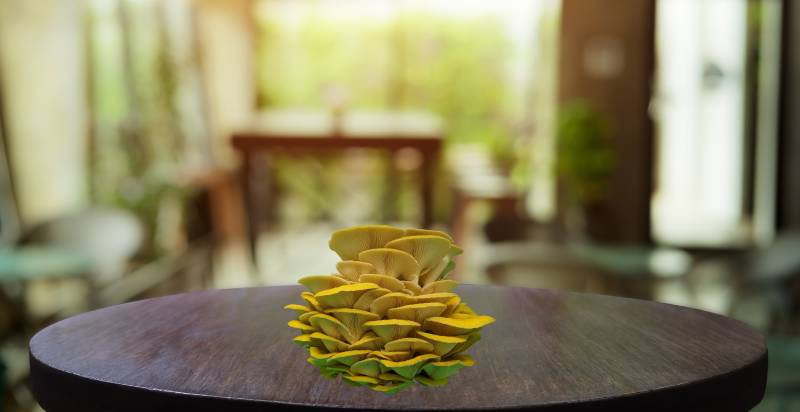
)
(584, 158)
(453, 67)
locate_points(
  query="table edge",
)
(41, 371)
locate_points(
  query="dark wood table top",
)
(550, 351)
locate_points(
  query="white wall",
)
(44, 97)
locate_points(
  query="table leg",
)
(426, 187)
(250, 212)
(391, 189)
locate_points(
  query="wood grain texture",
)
(551, 351)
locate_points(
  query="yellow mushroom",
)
(442, 297)
(394, 355)
(353, 320)
(417, 312)
(365, 301)
(306, 316)
(311, 300)
(368, 367)
(352, 269)
(384, 281)
(411, 367)
(392, 388)
(443, 369)
(388, 318)
(427, 250)
(461, 347)
(391, 329)
(451, 327)
(360, 380)
(382, 304)
(442, 345)
(392, 262)
(429, 232)
(298, 309)
(369, 341)
(434, 273)
(439, 286)
(318, 283)
(302, 340)
(349, 242)
(331, 326)
(349, 357)
(330, 343)
(413, 287)
(304, 328)
(343, 296)
(413, 345)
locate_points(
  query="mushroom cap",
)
(450, 326)
(365, 301)
(381, 305)
(369, 341)
(461, 347)
(371, 367)
(332, 327)
(442, 345)
(343, 296)
(360, 380)
(352, 269)
(429, 232)
(391, 329)
(413, 287)
(443, 369)
(439, 286)
(306, 316)
(417, 312)
(318, 283)
(392, 262)
(353, 320)
(393, 355)
(434, 273)
(298, 309)
(426, 249)
(392, 388)
(349, 357)
(441, 297)
(304, 328)
(384, 281)
(330, 343)
(311, 300)
(302, 340)
(349, 242)
(413, 345)
(411, 367)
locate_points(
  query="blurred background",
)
(641, 148)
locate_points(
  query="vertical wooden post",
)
(607, 60)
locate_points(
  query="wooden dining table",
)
(230, 350)
(311, 132)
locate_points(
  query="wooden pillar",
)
(607, 60)
(788, 213)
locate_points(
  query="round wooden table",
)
(230, 350)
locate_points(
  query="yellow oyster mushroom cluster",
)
(389, 317)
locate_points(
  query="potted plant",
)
(584, 162)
